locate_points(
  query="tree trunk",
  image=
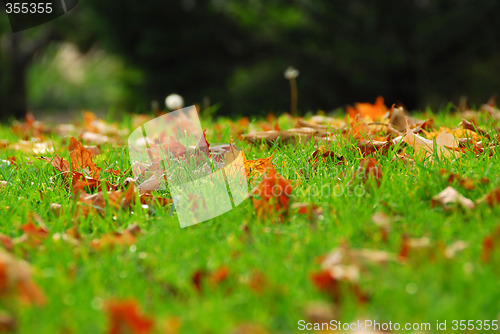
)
(17, 105)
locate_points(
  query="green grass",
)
(157, 271)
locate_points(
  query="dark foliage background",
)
(420, 52)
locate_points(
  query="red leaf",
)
(125, 317)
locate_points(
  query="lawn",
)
(400, 256)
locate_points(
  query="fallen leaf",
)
(15, 279)
(81, 159)
(116, 199)
(374, 111)
(320, 312)
(257, 168)
(492, 198)
(115, 172)
(368, 147)
(125, 317)
(450, 196)
(446, 144)
(126, 238)
(34, 146)
(213, 278)
(272, 195)
(344, 264)
(323, 155)
(472, 127)
(58, 163)
(451, 251)
(368, 169)
(94, 138)
(464, 182)
(421, 248)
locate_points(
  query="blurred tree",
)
(17, 51)
(419, 52)
(414, 51)
(186, 47)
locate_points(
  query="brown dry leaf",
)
(257, 281)
(374, 146)
(15, 279)
(289, 136)
(368, 168)
(320, 312)
(126, 238)
(81, 159)
(398, 118)
(34, 146)
(116, 199)
(446, 144)
(8, 323)
(58, 163)
(324, 155)
(306, 208)
(4, 143)
(6, 242)
(492, 198)
(149, 199)
(151, 184)
(466, 125)
(115, 172)
(451, 251)
(450, 196)
(214, 278)
(125, 317)
(93, 124)
(30, 127)
(464, 182)
(94, 149)
(382, 219)
(404, 159)
(64, 130)
(71, 236)
(490, 242)
(346, 265)
(418, 247)
(81, 181)
(33, 234)
(94, 138)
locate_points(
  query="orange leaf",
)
(257, 167)
(15, 278)
(125, 238)
(58, 163)
(272, 194)
(81, 158)
(125, 317)
(374, 111)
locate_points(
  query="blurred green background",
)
(121, 56)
